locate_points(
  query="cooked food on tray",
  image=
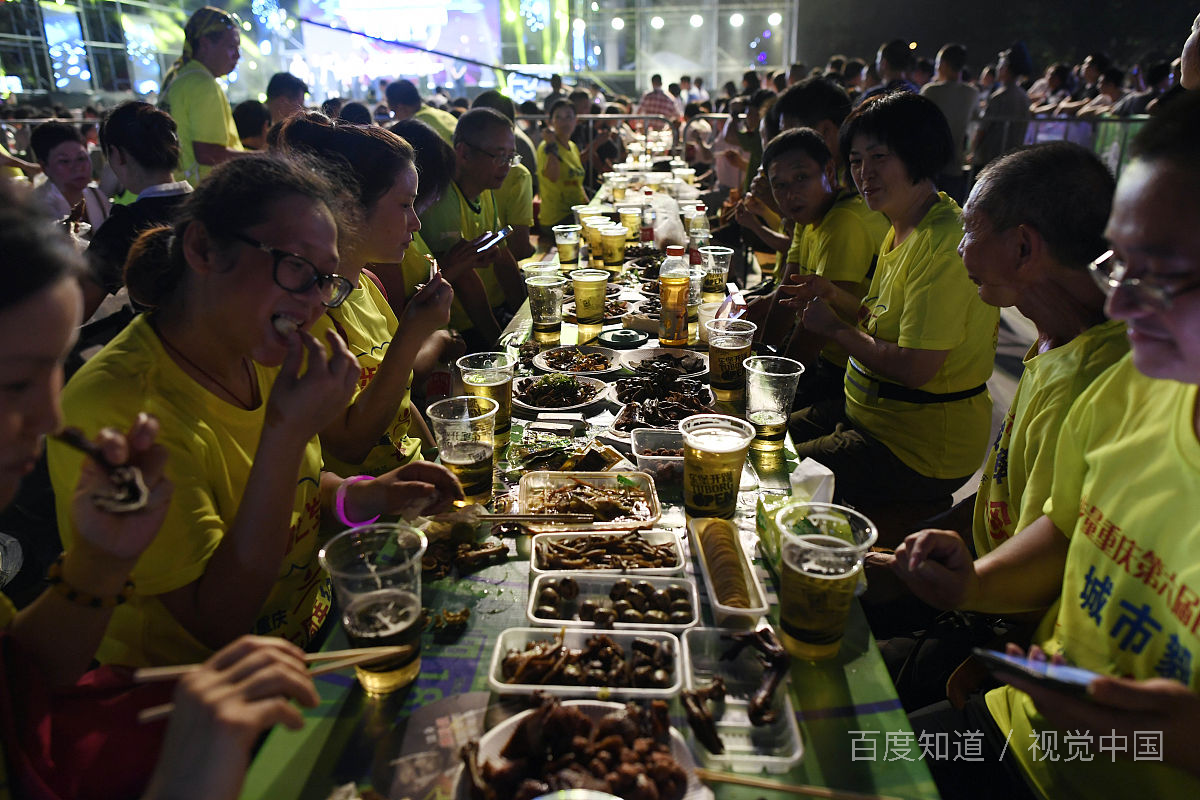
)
(573, 359)
(660, 401)
(686, 364)
(626, 753)
(666, 413)
(651, 306)
(625, 601)
(599, 551)
(662, 383)
(601, 662)
(555, 391)
(625, 500)
(719, 542)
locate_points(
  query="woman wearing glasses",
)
(376, 433)
(233, 288)
(917, 416)
(560, 167)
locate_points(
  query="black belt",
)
(885, 390)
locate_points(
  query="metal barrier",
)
(1107, 137)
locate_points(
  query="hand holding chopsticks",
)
(327, 662)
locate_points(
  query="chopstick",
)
(336, 660)
(548, 519)
(151, 674)
(74, 437)
(709, 776)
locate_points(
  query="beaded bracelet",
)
(339, 505)
(80, 598)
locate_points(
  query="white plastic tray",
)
(729, 616)
(775, 747)
(654, 537)
(596, 587)
(535, 484)
(518, 638)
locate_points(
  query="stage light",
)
(657, 23)
(736, 20)
(696, 20)
(618, 23)
(775, 18)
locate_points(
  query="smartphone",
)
(495, 239)
(1055, 677)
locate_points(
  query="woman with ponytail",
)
(233, 288)
(142, 147)
(375, 433)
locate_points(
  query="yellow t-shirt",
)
(454, 217)
(367, 324)
(202, 113)
(1126, 492)
(442, 122)
(210, 445)
(1020, 467)
(514, 198)
(558, 196)
(842, 246)
(921, 298)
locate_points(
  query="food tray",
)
(533, 484)
(729, 616)
(666, 470)
(775, 747)
(518, 638)
(613, 356)
(604, 394)
(654, 537)
(632, 358)
(494, 740)
(596, 587)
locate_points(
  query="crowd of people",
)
(271, 289)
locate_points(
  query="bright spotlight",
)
(775, 18)
(696, 20)
(618, 23)
(736, 20)
(657, 23)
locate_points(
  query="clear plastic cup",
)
(545, 305)
(729, 343)
(714, 452)
(715, 260)
(465, 430)
(770, 388)
(566, 239)
(376, 571)
(590, 286)
(821, 556)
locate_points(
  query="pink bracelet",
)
(339, 504)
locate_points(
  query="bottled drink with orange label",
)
(674, 284)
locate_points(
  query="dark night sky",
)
(1128, 30)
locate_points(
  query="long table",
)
(846, 707)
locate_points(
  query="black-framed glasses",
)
(297, 274)
(499, 159)
(1109, 271)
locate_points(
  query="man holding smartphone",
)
(1114, 559)
(484, 150)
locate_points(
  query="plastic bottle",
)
(674, 284)
(648, 216)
